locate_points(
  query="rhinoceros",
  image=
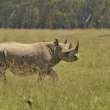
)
(37, 58)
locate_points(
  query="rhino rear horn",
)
(66, 41)
(56, 42)
(70, 46)
(77, 46)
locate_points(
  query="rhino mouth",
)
(71, 60)
(76, 59)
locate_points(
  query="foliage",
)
(54, 14)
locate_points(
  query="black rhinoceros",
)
(27, 59)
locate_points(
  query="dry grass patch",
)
(82, 85)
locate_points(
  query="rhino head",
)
(65, 51)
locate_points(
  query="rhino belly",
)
(23, 65)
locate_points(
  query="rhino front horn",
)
(77, 46)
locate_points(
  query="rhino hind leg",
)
(2, 75)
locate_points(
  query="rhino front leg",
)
(53, 74)
(41, 76)
(47, 71)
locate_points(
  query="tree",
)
(54, 14)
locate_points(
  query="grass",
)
(82, 85)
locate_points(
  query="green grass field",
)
(82, 85)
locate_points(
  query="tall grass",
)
(82, 85)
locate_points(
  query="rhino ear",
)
(56, 42)
(66, 41)
(77, 46)
(70, 46)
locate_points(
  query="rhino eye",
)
(67, 53)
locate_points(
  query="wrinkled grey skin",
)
(27, 59)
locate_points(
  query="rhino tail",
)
(4, 56)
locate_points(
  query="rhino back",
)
(37, 54)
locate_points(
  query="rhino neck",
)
(54, 53)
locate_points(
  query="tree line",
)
(55, 14)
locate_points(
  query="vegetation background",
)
(55, 14)
(82, 85)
